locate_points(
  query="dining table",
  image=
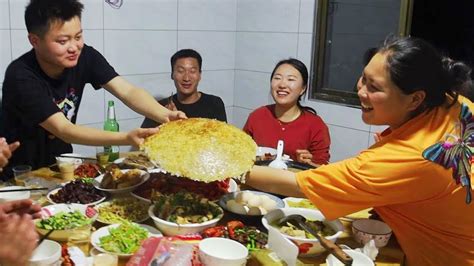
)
(390, 255)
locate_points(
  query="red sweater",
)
(307, 132)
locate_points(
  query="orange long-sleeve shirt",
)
(417, 198)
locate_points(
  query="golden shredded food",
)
(201, 149)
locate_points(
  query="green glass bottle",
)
(111, 125)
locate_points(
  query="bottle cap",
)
(111, 103)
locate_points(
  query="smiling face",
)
(383, 103)
(287, 85)
(186, 76)
(60, 47)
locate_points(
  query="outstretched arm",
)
(274, 180)
(141, 101)
(61, 127)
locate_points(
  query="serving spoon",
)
(300, 222)
(278, 162)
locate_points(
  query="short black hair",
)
(39, 14)
(184, 53)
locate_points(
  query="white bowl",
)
(217, 251)
(63, 235)
(104, 231)
(48, 253)
(232, 196)
(358, 259)
(9, 196)
(144, 175)
(307, 247)
(172, 229)
(364, 230)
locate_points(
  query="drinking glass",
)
(105, 259)
(102, 156)
(21, 173)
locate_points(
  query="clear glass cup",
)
(66, 170)
(105, 259)
(80, 237)
(102, 156)
(21, 174)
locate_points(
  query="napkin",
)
(369, 249)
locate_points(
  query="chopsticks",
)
(44, 237)
(24, 189)
(77, 157)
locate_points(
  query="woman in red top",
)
(305, 134)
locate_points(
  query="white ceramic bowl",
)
(364, 230)
(48, 253)
(144, 175)
(218, 251)
(104, 231)
(232, 196)
(358, 259)
(307, 247)
(63, 235)
(172, 229)
(9, 196)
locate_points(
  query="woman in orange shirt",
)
(418, 175)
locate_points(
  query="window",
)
(345, 30)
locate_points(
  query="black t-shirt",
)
(30, 97)
(208, 106)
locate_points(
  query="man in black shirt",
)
(186, 73)
(43, 88)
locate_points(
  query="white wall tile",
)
(92, 109)
(255, 84)
(20, 43)
(268, 15)
(240, 116)
(139, 52)
(207, 15)
(4, 15)
(307, 15)
(261, 51)
(142, 15)
(339, 115)
(305, 49)
(5, 52)
(95, 38)
(229, 112)
(219, 83)
(217, 49)
(17, 13)
(346, 142)
(93, 14)
(158, 85)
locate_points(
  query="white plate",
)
(104, 231)
(233, 196)
(145, 207)
(233, 187)
(54, 191)
(145, 175)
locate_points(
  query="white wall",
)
(240, 42)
